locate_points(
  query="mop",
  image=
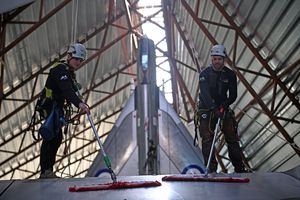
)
(208, 177)
(115, 184)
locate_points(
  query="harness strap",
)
(31, 126)
(197, 120)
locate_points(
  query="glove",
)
(219, 112)
(84, 108)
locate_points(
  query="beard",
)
(218, 66)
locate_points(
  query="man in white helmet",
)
(61, 85)
(218, 90)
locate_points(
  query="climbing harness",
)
(45, 105)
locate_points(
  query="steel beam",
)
(99, 52)
(2, 58)
(170, 46)
(263, 61)
(88, 37)
(187, 45)
(34, 27)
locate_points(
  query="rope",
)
(74, 20)
(168, 131)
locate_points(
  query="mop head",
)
(115, 185)
(204, 178)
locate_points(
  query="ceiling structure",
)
(262, 38)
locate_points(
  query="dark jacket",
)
(217, 87)
(61, 82)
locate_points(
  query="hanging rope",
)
(74, 20)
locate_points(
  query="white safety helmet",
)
(77, 50)
(218, 50)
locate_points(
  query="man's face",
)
(218, 62)
(75, 63)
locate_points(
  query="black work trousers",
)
(229, 129)
(48, 152)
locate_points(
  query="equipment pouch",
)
(52, 125)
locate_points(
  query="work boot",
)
(242, 170)
(48, 174)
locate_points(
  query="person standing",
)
(218, 90)
(60, 85)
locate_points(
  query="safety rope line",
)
(74, 20)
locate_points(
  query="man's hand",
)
(219, 112)
(84, 108)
